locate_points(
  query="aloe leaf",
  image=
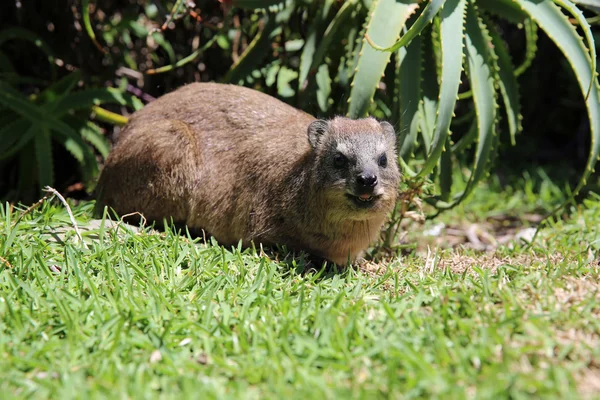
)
(445, 168)
(324, 43)
(74, 143)
(589, 3)
(17, 102)
(452, 53)
(480, 68)
(467, 140)
(24, 34)
(14, 136)
(557, 26)
(428, 107)
(63, 87)
(43, 155)
(587, 31)
(593, 5)
(385, 23)
(91, 133)
(5, 64)
(330, 33)
(531, 37)
(506, 9)
(409, 73)
(85, 99)
(324, 87)
(314, 35)
(254, 53)
(255, 4)
(430, 11)
(83, 153)
(508, 85)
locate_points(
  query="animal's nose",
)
(366, 180)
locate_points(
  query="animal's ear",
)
(316, 131)
(389, 133)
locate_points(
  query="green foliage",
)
(489, 68)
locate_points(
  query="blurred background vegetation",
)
(72, 71)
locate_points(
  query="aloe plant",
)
(490, 72)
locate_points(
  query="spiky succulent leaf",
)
(429, 12)
(557, 26)
(508, 85)
(531, 37)
(255, 4)
(428, 105)
(587, 31)
(323, 87)
(254, 53)
(452, 27)
(315, 32)
(481, 71)
(409, 84)
(445, 172)
(387, 19)
(15, 136)
(86, 99)
(505, 9)
(33, 38)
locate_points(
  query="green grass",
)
(160, 315)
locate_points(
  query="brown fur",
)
(238, 163)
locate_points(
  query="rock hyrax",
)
(245, 166)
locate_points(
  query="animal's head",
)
(356, 164)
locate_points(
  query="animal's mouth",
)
(363, 200)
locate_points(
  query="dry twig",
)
(62, 199)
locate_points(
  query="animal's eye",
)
(339, 160)
(383, 160)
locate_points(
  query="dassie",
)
(242, 165)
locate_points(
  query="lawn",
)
(130, 314)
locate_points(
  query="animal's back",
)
(226, 150)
